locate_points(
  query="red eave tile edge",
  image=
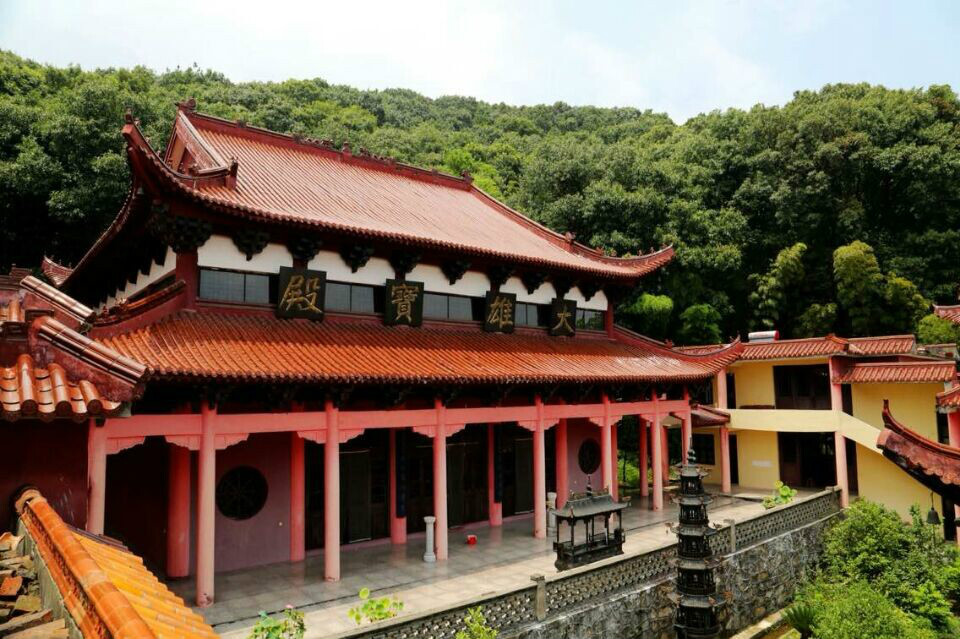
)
(926, 455)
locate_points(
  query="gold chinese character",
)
(301, 294)
(501, 312)
(403, 297)
(563, 320)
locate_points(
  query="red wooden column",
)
(686, 429)
(657, 446)
(298, 498)
(539, 474)
(642, 453)
(440, 481)
(953, 432)
(96, 478)
(331, 494)
(206, 506)
(721, 402)
(839, 441)
(494, 507)
(398, 525)
(563, 476)
(616, 460)
(178, 512)
(606, 447)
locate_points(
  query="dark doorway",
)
(734, 461)
(852, 484)
(355, 501)
(806, 459)
(467, 476)
(802, 387)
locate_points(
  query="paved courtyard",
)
(503, 557)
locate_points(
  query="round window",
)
(589, 456)
(241, 492)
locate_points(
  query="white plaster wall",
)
(157, 271)
(472, 284)
(220, 252)
(375, 272)
(597, 303)
(543, 295)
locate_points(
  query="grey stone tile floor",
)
(504, 557)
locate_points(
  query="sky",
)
(678, 57)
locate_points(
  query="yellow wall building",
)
(777, 412)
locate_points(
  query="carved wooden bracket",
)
(454, 270)
(182, 234)
(562, 285)
(305, 247)
(498, 274)
(117, 444)
(356, 255)
(588, 289)
(250, 242)
(403, 262)
(320, 436)
(532, 280)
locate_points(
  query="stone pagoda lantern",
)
(696, 598)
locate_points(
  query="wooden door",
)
(455, 479)
(791, 470)
(355, 492)
(523, 460)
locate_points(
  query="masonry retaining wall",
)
(764, 558)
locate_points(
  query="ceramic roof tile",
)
(816, 347)
(105, 586)
(220, 345)
(55, 272)
(896, 372)
(949, 398)
(30, 391)
(951, 313)
(283, 178)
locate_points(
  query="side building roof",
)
(935, 465)
(106, 589)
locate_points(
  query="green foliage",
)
(856, 610)
(649, 315)
(737, 193)
(700, 324)
(907, 564)
(782, 494)
(770, 290)
(801, 617)
(937, 330)
(291, 626)
(477, 627)
(374, 609)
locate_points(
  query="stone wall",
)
(757, 580)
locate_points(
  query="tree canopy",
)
(839, 211)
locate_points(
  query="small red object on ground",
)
(471, 540)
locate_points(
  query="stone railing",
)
(510, 609)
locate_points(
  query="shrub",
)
(376, 609)
(908, 564)
(782, 494)
(801, 618)
(477, 627)
(291, 626)
(857, 611)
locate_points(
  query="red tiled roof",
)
(935, 465)
(279, 177)
(49, 370)
(951, 313)
(949, 398)
(56, 273)
(105, 588)
(27, 390)
(816, 347)
(895, 372)
(709, 416)
(258, 348)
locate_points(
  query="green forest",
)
(836, 212)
